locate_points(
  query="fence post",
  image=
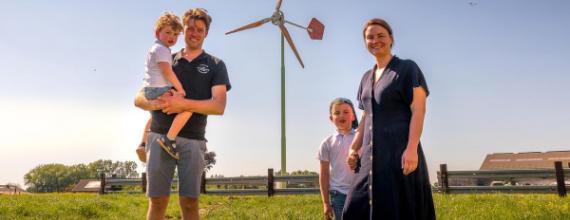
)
(203, 183)
(270, 182)
(143, 182)
(443, 177)
(102, 183)
(560, 178)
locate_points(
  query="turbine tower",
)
(315, 29)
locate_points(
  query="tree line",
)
(61, 178)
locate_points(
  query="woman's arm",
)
(356, 143)
(418, 107)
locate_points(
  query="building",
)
(11, 190)
(88, 185)
(517, 161)
(525, 160)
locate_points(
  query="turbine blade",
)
(291, 44)
(278, 6)
(251, 25)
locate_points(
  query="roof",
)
(9, 189)
(87, 186)
(525, 160)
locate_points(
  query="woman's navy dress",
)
(380, 189)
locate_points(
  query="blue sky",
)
(497, 71)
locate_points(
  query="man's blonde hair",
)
(168, 19)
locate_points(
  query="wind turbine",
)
(315, 29)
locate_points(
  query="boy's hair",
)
(339, 101)
(168, 19)
(198, 14)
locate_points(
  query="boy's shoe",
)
(168, 146)
(141, 153)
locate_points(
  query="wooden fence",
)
(558, 174)
(263, 185)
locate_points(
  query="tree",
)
(47, 178)
(297, 173)
(127, 169)
(60, 178)
(210, 158)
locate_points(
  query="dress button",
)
(370, 202)
(370, 127)
(370, 187)
(370, 173)
(370, 157)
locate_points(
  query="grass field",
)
(133, 206)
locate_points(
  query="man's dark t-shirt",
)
(197, 77)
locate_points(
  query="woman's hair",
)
(379, 22)
(198, 14)
(168, 19)
(339, 101)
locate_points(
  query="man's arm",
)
(147, 105)
(214, 106)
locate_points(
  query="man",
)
(205, 81)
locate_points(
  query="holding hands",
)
(352, 159)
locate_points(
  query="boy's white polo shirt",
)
(335, 150)
(153, 76)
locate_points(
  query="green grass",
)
(133, 206)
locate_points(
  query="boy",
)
(159, 79)
(335, 177)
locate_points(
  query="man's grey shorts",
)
(160, 167)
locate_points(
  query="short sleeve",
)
(221, 76)
(163, 54)
(414, 78)
(360, 90)
(324, 153)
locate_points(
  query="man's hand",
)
(172, 102)
(328, 211)
(181, 91)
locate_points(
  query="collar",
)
(393, 61)
(352, 131)
(160, 42)
(178, 55)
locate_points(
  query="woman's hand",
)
(352, 159)
(409, 161)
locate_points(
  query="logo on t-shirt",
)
(203, 68)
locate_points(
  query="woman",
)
(392, 182)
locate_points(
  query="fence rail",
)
(558, 174)
(267, 184)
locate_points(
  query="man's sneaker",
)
(141, 153)
(168, 146)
